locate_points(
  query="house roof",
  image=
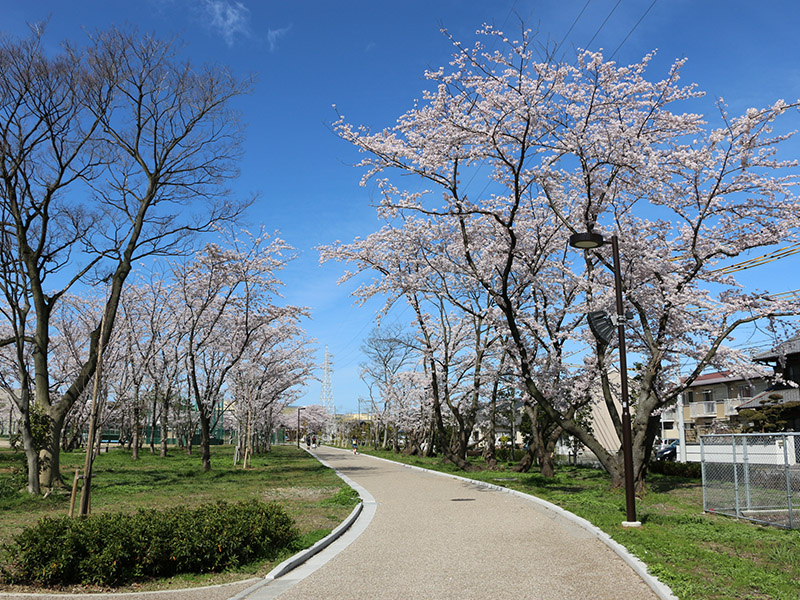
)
(719, 377)
(779, 395)
(790, 346)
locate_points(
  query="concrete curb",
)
(301, 557)
(659, 588)
(304, 556)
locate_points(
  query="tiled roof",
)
(721, 377)
(790, 346)
(788, 394)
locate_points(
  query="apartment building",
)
(710, 405)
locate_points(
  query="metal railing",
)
(732, 403)
(707, 409)
(752, 476)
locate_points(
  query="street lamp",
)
(588, 241)
(299, 408)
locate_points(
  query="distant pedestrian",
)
(355, 446)
(308, 442)
(313, 441)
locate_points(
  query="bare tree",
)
(108, 154)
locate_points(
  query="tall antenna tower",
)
(326, 394)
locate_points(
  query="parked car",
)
(668, 452)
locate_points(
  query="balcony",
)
(669, 415)
(710, 409)
(732, 403)
(703, 409)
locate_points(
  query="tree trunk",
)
(49, 457)
(31, 454)
(135, 428)
(164, 428)
(525, 464)
(205, 440)
(153, 422)
(489, 451)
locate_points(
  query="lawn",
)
(285, 475)
(700, 556)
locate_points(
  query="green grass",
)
(700, 556)
(312, 494)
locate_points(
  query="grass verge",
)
(700, 556)
(312, 494)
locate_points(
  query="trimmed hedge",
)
(112, 549)
(676, 469)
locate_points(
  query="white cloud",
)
(273, 35)
(230, 19)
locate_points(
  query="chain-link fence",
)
(752, 476)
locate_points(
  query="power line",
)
(632, 29)
(603, 24)
(575, 22)
(760, 260)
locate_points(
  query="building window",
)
(792, 373)
(708, 395)
(746, 391)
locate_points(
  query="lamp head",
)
(586, 241)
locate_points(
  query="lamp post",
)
(299, 408)
(588, 241)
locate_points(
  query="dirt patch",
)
(306, 494)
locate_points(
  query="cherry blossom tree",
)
(453, 334)
(268, 378)
(227, 293)
(411, 409)
(314, 419)
(150, 363)
(590, 145)
(109, 153)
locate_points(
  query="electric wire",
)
(759, 260)
(571, 27)
(633, 29)
(603, 24)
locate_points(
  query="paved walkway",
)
(427, 536)
(437, 537)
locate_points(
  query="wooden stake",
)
(74, 493)
(87, 470)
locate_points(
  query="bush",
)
(11, 483)
(676, 469)
(112, 549)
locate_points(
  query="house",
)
(785, 362)
(710, 405)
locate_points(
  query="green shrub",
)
(676, 469)
(112, 549)
(11, 483)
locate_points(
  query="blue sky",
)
(368, 58)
